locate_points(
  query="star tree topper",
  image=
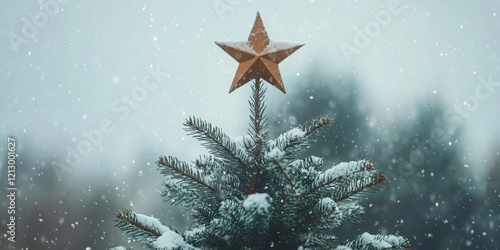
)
(258, 57)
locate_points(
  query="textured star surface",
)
(258, 57)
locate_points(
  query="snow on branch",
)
(290, 144)
(329, 214)
(149, 231)
(223, 176)
(339, 171)
(316, 125)
(311, 164)
(258, 203)
(358, 184)
(135, 227)
(348, 211)
(230, 220)
(368, 241)
(121, 248)
(170, 240)
(326, 205)
(278, 147)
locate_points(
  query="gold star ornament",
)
(258, 57)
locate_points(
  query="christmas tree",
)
(256, 192)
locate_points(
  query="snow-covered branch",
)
(367, 241)
(150, 232)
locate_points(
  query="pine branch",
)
(228, 223)
(344, 181)
(358, 187)
(303, 172)
(258, 120)
(121, 248)
(282, 171)
(186, 184)
(258, 124)
(256, 217)
(150, 232)
(217, 142)
(185, 170)
(316, 125)
(345, 190)
(326, 219)
(325, 206)
(367, 241)
(329, 214)
(227, 176)
(338, 172)
(296, 140)
(127, 221)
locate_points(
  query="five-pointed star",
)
(258, 57)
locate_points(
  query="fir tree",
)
(257, 192)
(254, 192)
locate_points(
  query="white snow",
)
(276, 154)
(168, 239)
(118, 248)
(275, 146)
(393, 240)
(340, 169)
(260, 202)
(295, 132)
(171, 240)
(151, 222)
(316, 160)
(272, 47)
(243, 46)
(193, 231)
(327, 204)
(367, 238)
(371, 241)
(279, 46)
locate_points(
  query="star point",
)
(258, 57)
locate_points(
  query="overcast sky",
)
(66, 67)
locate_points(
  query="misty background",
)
(419, 97)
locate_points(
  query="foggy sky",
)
(75, 63)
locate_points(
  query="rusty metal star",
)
(258, 57)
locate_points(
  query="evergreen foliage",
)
(254, 192)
